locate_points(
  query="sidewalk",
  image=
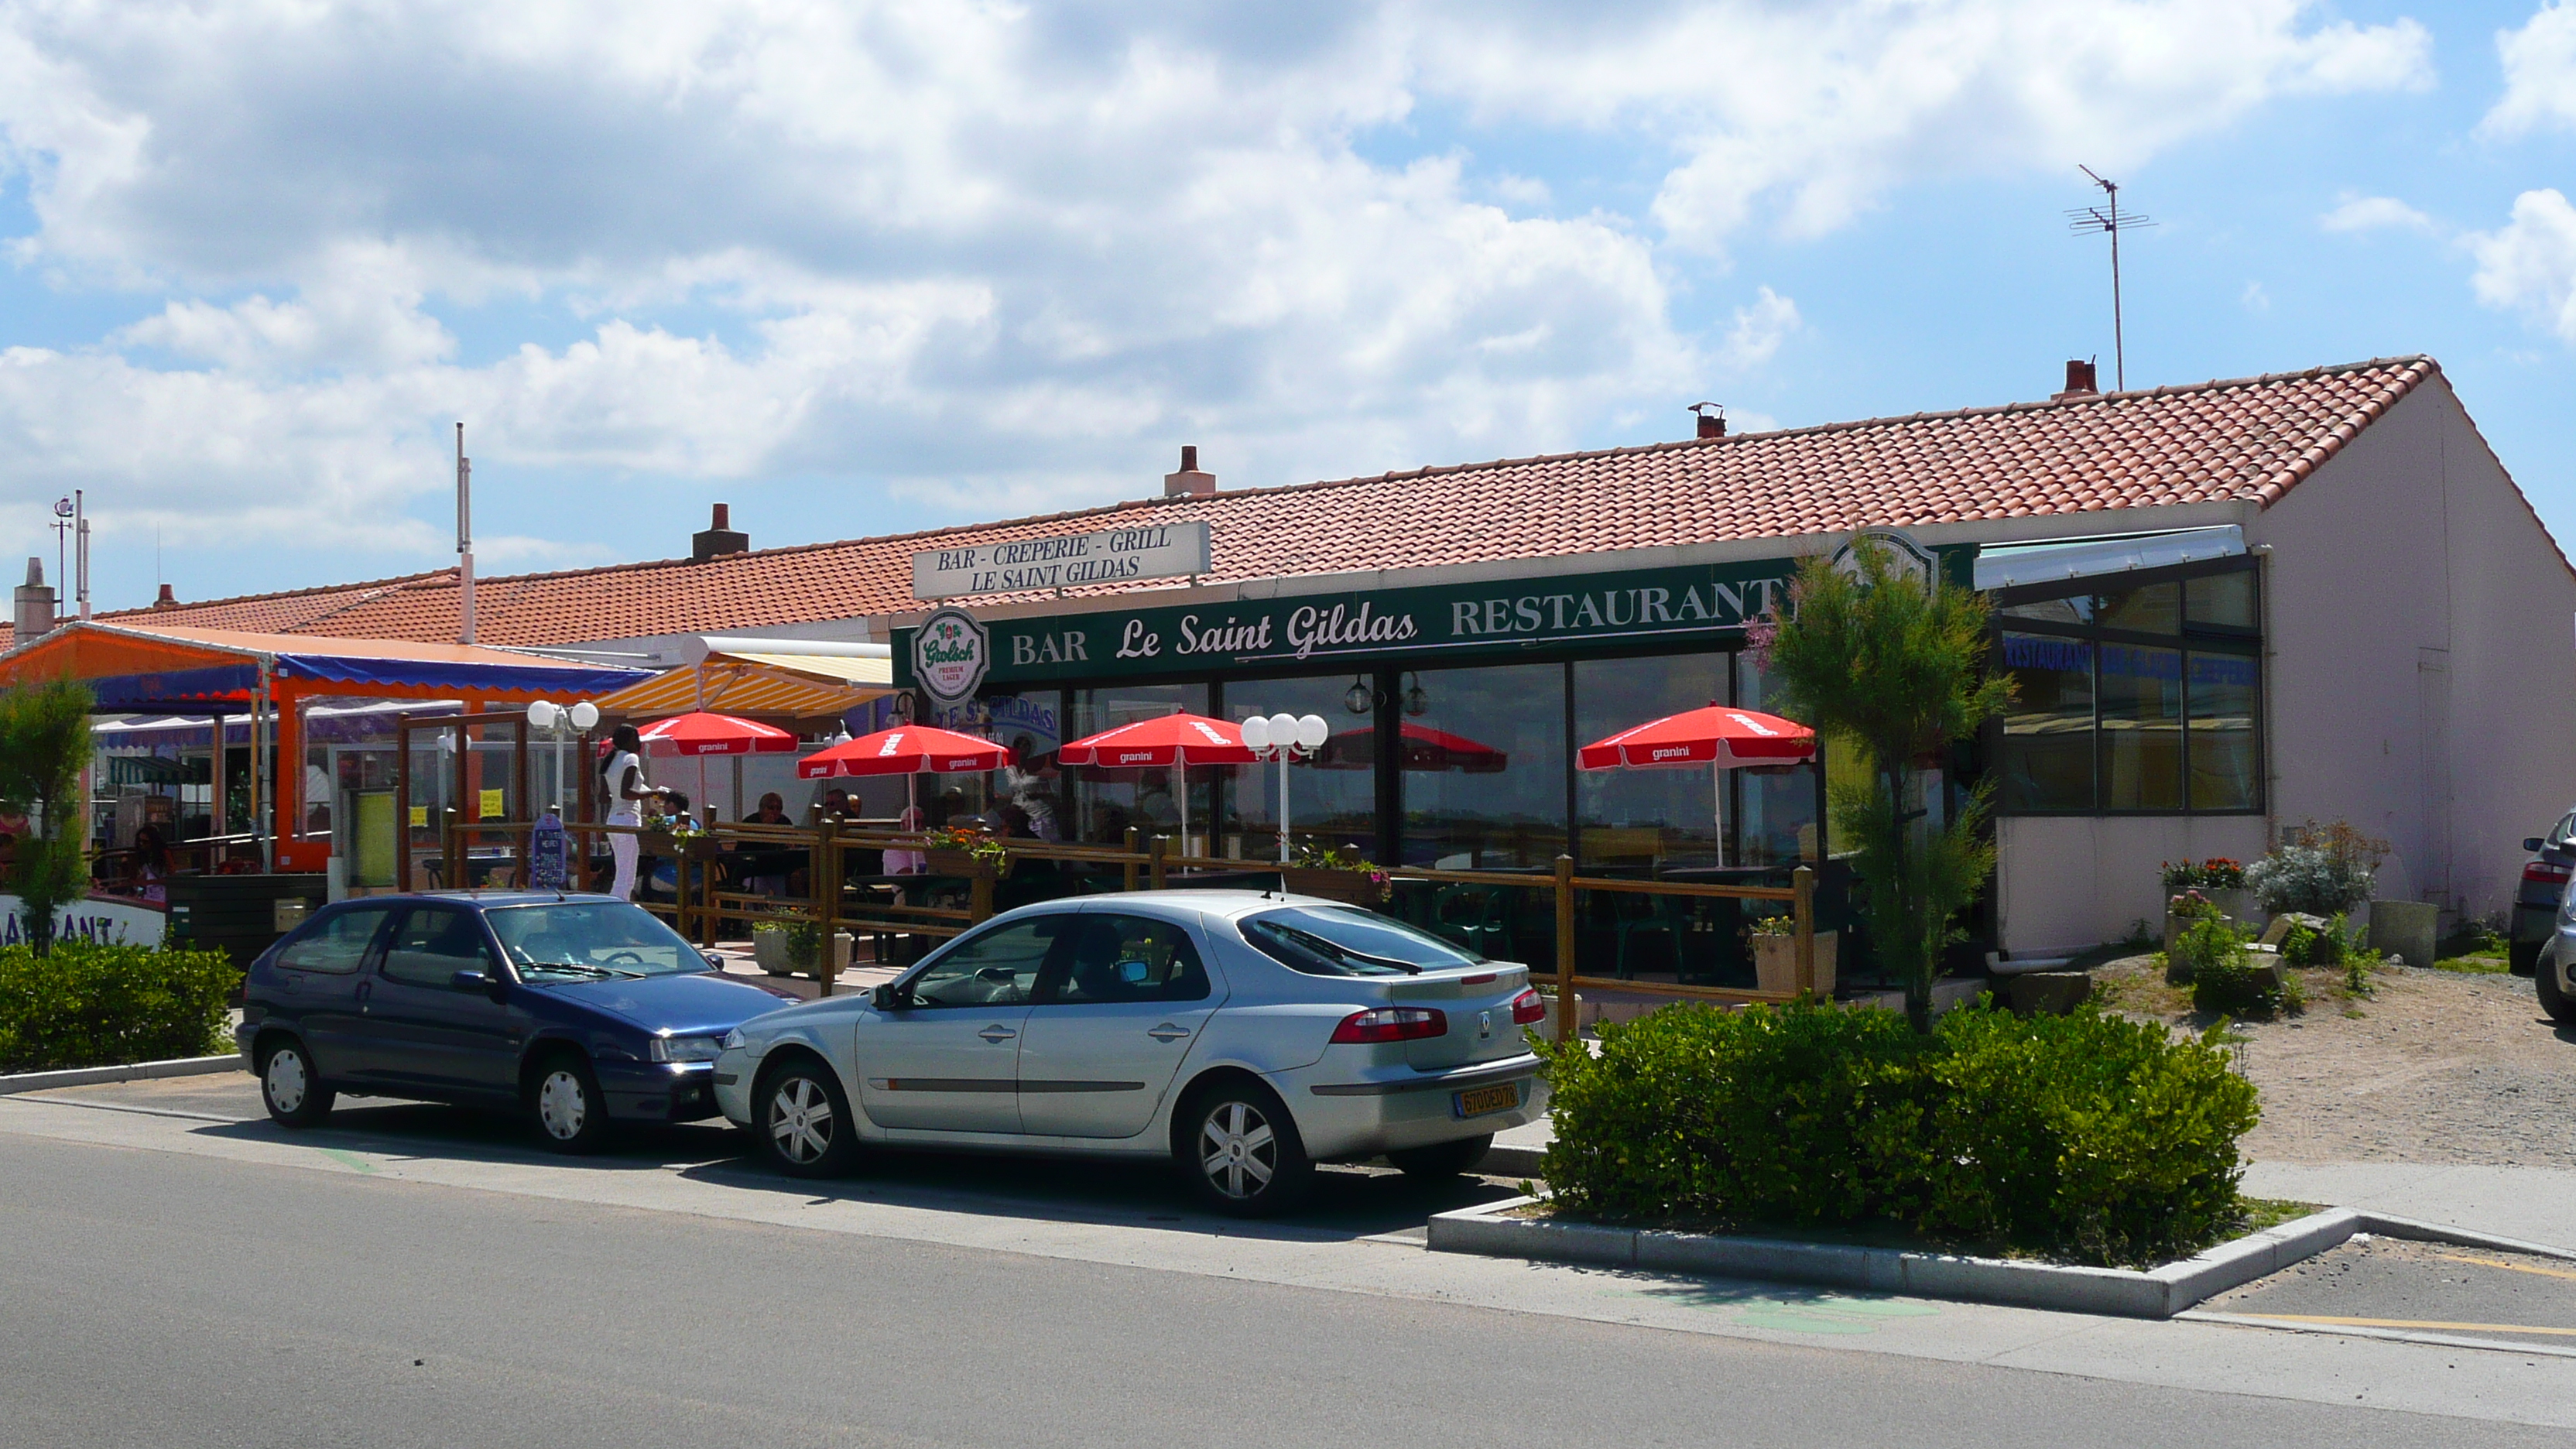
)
(2534, 1204)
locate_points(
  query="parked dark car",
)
(575, 1010)
(2535, 902)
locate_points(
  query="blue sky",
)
(859, 269)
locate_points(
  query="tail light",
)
(2541, 872)
(1528, 1007)
(1390, 1023)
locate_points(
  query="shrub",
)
(84, 1005)
(2237, 985)
(2087, 1136)
(2330, 870)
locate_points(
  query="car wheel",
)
(2558, 1004)
(803, 1119)
(2523, 957)
(1442, 1159)
(289, 1086)
(571, 1114)
(1241, 1152)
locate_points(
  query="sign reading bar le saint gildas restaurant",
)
(1700, 604)
(1021, 565)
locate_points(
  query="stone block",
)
(2406, 929)
(2047, 993)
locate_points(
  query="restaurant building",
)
(2230, 609)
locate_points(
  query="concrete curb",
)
(2117, 1292)
(2421, 1231)
(131, 1072)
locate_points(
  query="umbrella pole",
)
(1717, 808)
(1181, 776)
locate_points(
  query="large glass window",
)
(2142, 700)
(1636, 820)
(1483, 754)
(1771, 819)
(1332, 798)
(1107, 802)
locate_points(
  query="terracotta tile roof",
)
(2248, 439)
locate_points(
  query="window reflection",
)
(1484, 767)
(1332, 799)
(1105, 802)
(2141, 693)
(1640, 820)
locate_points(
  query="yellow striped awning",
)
(781, 686)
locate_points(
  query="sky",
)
(861, 268)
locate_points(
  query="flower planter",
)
(772, 952)
(1775, 964)
(1350, 887)
(2237, 904)
(965, 863)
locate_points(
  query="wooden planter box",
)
(1350, 887)
(769, 951)
(1775, 963)
(965, 863)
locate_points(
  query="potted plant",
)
(1334, 875)
(793, 948)
(2322, 871)
(953, 851)
(1774, 939)
(2217, 880)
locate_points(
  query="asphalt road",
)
(153, 1298)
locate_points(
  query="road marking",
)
(346, 1159)
(2510, 1267)
(2410, 1323)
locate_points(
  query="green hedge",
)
(2085, 1137)
(86, 1005)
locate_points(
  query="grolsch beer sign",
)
(950, 653)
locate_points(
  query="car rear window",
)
(1336, 941)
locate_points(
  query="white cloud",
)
(971, 254)
(1758, 331)
(2374, 213)
(2254, 299)
(2529, 265)
(2539, 74)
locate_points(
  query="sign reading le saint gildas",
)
(1111, 556)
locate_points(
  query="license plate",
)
(1477, 1101)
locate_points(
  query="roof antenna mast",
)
(464, 541)
(2109, 218)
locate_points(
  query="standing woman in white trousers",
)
(624, 777)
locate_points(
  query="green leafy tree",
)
(1883, 660)
(44, 743)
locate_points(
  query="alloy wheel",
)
(1238, 1150)
(562, 1106)
(287, 1081)
(800, 1120)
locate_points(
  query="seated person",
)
(772, 811)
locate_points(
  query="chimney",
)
(1712, 419)
(1189, 482)
(168, 599)
(35, 612)
(2079, 380)
(718, 538)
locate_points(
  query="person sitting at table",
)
(772, 811)
(907, 862)
(152, 865)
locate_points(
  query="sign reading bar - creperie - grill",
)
(1706, 603)
(1020, 565)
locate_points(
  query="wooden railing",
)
(966, 887)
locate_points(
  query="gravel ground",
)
(2434, 1067)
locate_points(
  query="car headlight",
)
(733, 1040)
(684, 1048)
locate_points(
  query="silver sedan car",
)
(1245, 1036)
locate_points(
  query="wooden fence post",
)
(1128, 869)
(451, 850)
(827, 963)
(1565, 1022)
(1162, 844)
(1805, 881)
(979, 896)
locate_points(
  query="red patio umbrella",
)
(1174, 741)
(1424, 748)
(905, 750)
(1719, 735)
(702, 733)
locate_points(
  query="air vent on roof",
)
(1712, 419)
(35, 604)
(1189, 482)
(169, 598)
(718, 538)
(2080, 380)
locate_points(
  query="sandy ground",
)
(2433, 1066)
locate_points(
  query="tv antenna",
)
(2109, 218)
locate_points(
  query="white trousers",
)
(622, 847)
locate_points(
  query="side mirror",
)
(2532, 842)
(714, 961)
(470, 981)
(886, 998)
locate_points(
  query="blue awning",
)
(534, 675)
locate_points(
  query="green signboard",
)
(1686, 606)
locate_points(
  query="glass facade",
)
(1106, 802)
(1483, 754)
(2141, 701)
(1332, 799)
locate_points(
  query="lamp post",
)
(1285, 737)
(560, 724)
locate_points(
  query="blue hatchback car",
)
(578, 1010)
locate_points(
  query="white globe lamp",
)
(1283, 730)
(543, 713)
(584, 715)
(1256, 733)
(1312, 731)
